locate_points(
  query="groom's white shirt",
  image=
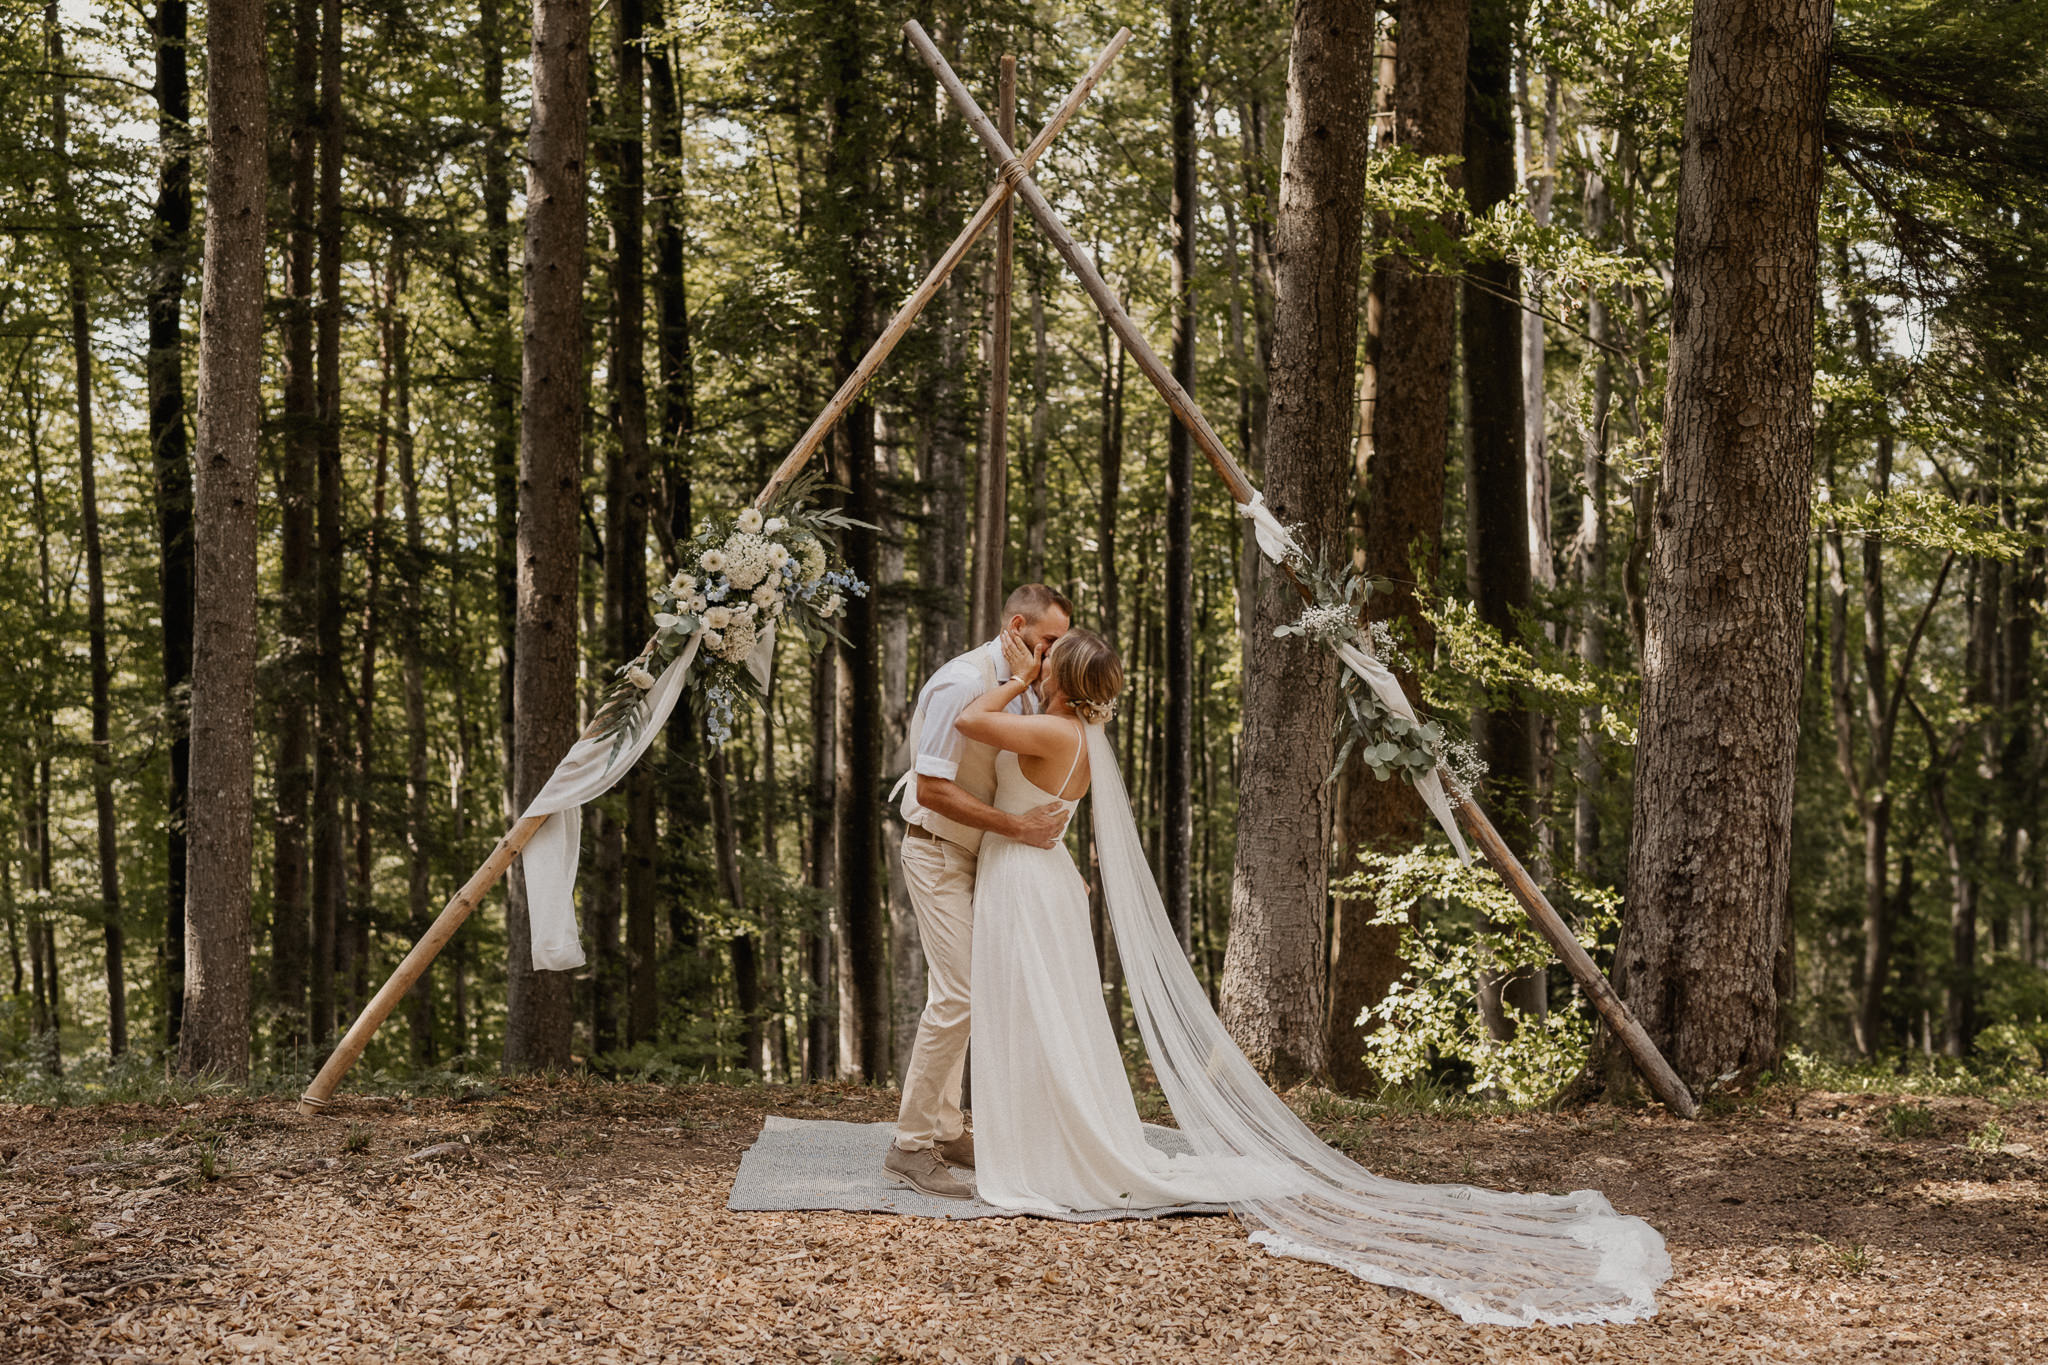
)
(942, 751)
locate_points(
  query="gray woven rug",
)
(825, 1164)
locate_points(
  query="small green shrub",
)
(1905, 1122)
(1989, 1138)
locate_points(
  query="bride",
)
(1058, 1129)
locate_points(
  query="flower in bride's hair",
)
(1094, 712)
(712, 561)
(750, 519)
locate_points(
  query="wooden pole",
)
(1663, 1080)
(992, 502)
(349, 1050)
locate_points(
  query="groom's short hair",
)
(1033, 600)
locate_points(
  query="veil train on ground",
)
(1488, 1256)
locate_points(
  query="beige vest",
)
(977, 775)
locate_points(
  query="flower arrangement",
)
(740, 578)
(1386, 741)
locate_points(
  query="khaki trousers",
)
(939, 875)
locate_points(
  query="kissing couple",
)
(1005, 741)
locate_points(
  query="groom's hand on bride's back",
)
(1043, 826)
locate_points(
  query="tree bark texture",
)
(1273, 991)
(330, 710)
(992, 478)
(1403, 514)
(1710, 851)
(291, 910)
(1496, 467)
(215, 1036)
(538, 1005)
(846, 225)
(170, 244)
(629, 497)
(1176, 863)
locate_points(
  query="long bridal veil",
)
(1488, 1256)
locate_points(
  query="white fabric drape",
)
(1279, 545)
(586, 772)
(1488, 1256)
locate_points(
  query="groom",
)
(946, 801)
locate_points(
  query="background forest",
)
(765, 183)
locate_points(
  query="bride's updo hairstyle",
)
(1088, 674)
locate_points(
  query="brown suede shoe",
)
(959, 1151)
(925, 1171)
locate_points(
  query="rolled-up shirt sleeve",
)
(939, 744)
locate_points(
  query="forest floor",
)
(579, 1221)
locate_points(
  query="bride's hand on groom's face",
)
(1024, 661)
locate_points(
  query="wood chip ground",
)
(586, 1222)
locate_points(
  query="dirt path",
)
(586, 1222)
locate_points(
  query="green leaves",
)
(1927, 520)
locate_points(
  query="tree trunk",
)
(848, 222)
(503, 383)
(1496, 474)
(1177, 811)
(992, 479)
(35, 768)
(821, 859)
(1404, 511)
(1589, 554)
(1273, 988)
(292, 974)
(330, 710)
(1041, 432)
(361, 894)
(628, 496)
(538, 1006)
(170, 242)
(215, 1035)
(78, 290)
(1710, 849)
(419, 833)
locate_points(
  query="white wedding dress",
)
(1057, 1129)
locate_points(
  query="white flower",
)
(712, 640)
(746, 560)
(718, 618)
(775, 525)
(712, 561)
(813, 556)
(738, 641)
(697, 604)
(774, 610)
(832, 605)
(766, 595)
(639, 677)
(778, 554)
(750, 519)
(682, 585)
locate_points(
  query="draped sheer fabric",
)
(1488, 1256)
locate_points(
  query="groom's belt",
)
(920, 832)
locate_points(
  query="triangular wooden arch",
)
(1015, 179)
